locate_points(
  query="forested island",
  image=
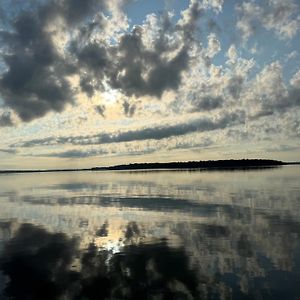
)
(209, 164)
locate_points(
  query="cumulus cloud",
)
(150, 59)
(215, 4)
(211, 87)
(34, 82)
(213, 46)
(56, 53)
(36, 78)
(142, 72)
(232, 54)
(235, 85)
(39, 66)
(248, 15)
(282, 17)
(270, 93)
(295, 80)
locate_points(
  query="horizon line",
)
(172, 165)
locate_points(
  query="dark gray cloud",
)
(9, 151)
(292, 100)
(282, 104)
(38, 142)
(191, 18)
(278, 104)
(6, 120)
(34, 82)
(92, 62)
(73, 153)
(139, 71)
(207, 103)
(235, 86)
(134, 68)
(151, 133)
(35, 79)
(75, 11)
(129, 109)
(100, 109)
(79, 153)
(271, 93)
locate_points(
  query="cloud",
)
(75, 11)
(34, 82)
(100, 109)
(270, 93)
(275, 15)
(295, 80)
(6, 120)
(9, 151)
(129, 110)
(283, 18)
(205, 142)
(213, 46)
(139, 70)
(232, 54)
(52, 265)
(207, 103)
(151, 133)
(214, 4)
(148, 60)
(36, 78)
(248, 15)
(235, 85)
(283, 148)
(92, 62)
(75, 153)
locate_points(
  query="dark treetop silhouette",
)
(215, 164)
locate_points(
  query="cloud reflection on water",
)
(133, 236)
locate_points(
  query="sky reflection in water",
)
(156, 235)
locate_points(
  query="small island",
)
(209, 164)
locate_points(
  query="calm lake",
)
(151, 235)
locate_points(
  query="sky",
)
(88, 83)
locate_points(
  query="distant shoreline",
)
(232, 164)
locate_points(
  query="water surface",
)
(151, 235)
